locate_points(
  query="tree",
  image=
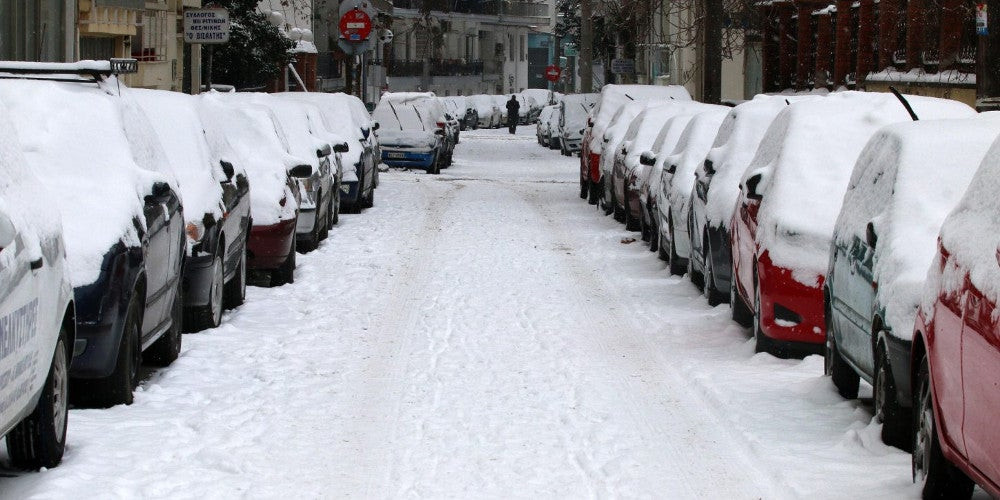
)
(257, 51)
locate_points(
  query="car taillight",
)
(440, 124)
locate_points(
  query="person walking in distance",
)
(513, 112)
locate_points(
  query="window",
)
(150, 41)
(33, 31)
(523, 40)
(510, 46)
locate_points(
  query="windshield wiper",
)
(419, 116)
(629, 97)
(393, 108)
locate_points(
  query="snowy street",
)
(481, 333)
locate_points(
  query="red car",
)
(956, 349)
(790, 197)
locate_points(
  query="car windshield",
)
(401, 116)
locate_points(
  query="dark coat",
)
(513, 107)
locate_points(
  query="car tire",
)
(617, 213)
(594, 196)
(210, 315)
(762, 343)
(739, 311)
(435, 167)
(661, 247)
(235, 292)
(584, 189)
(894, 418)
(631, 224)
(845, 379)
(676, 268)
(40, 439)
(286, 273)
(939, 477)
(334, 209)
(370, 200)
(118, 387)
(712, 293)
(165, 350)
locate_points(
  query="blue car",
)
(409, 137)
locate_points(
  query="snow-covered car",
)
(357, 184)
(122, 220)
(572, 120)
(262, 149)
(433, 115)
(544, 127)
(955, 355)
(487, 112)
(790, 196)
(308, 140)
(717, 186)
(538, 99)
(654, 159)
(215, 193)
(883, 242)
(36, 304)
(458, 106)
(674, 190)
(613, 196)
(408, 138)
(500, 101)
(613, 98)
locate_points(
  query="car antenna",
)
(787, 102)
(905, 103)
(629, 97)
(393, 108)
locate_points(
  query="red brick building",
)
(924, 47)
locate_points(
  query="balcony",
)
(439, 67)
(535, 12)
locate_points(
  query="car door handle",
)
(36, 264)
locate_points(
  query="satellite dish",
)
(385, 36)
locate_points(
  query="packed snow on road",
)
(480, 333)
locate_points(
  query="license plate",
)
(397, 155)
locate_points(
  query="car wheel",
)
(676, 268)
(435, 167)
(661, 246)
(711, 292)
(895, 419)
(739, 311)
(334, 210)
(617, 212)
(118, 387)
(370, 200)
(286, 273)
(166, 348)
(938, 477)
(210, 315)
(630, 223)
(762, 343)
(236, 289)
(40, 439)
(584, 189)
(594, 197)
(845, 379)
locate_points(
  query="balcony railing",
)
(486, 8)
(439, 67)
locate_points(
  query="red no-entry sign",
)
(355, 26)
(552, 73)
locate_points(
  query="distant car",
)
(955, 349)
(360, 174)
(674, 191)
(613, 201)
(883, 243)
(571, 122)
(215, 193)
(458, 107)
(408, 138)
(500, 101)
(262, 149)
(36, 304)
(544, 129)
(790, 197)
(717, 186)
(487, 112)
(125, 270)
(539, 98)
(654, 160)
(613, 97)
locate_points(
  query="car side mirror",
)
(751, 186)
(870, 237)
(301, 171)
(160, 190)
(438, 132)
(227, 168)
(648, 158)
(365, 132)
(375, 126)
(341, 147)
(672, 168)
(324, 151)
(7, 231)
(709, 167)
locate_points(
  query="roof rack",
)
(96, 70)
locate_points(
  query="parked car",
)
(308, 139)
(215, 193)
(487, 112)
(883, 243)
(500, 101)
(544, 129)
(409, 138)
(654, 159)
(369, 127)
(613, 199)
(717, 186)
(790, 197)
(125, 270)
(458, 107)
(432, 113)
(538, 99)
(955, 354)
(674, 191)
(571, 122)
(261, 147)
(37, 303)
(613, 97)
(358, 181)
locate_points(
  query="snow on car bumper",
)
(270, 245)
(407, 158)
(790, 311)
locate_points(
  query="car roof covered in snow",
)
(692, 147)
(614, 97)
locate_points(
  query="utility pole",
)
(712, 55)
(586, 52)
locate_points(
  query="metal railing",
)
(498, 8)
(439, 67)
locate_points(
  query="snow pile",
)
(971, 235)
(614, 97)
(906, 181)
(73, 136)
(733, 149)
(23, 198)
(616, 130)
(805, 162)
(692, 147)
(574, 109)
(175, 118)
(261, 149)
(335, 114)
